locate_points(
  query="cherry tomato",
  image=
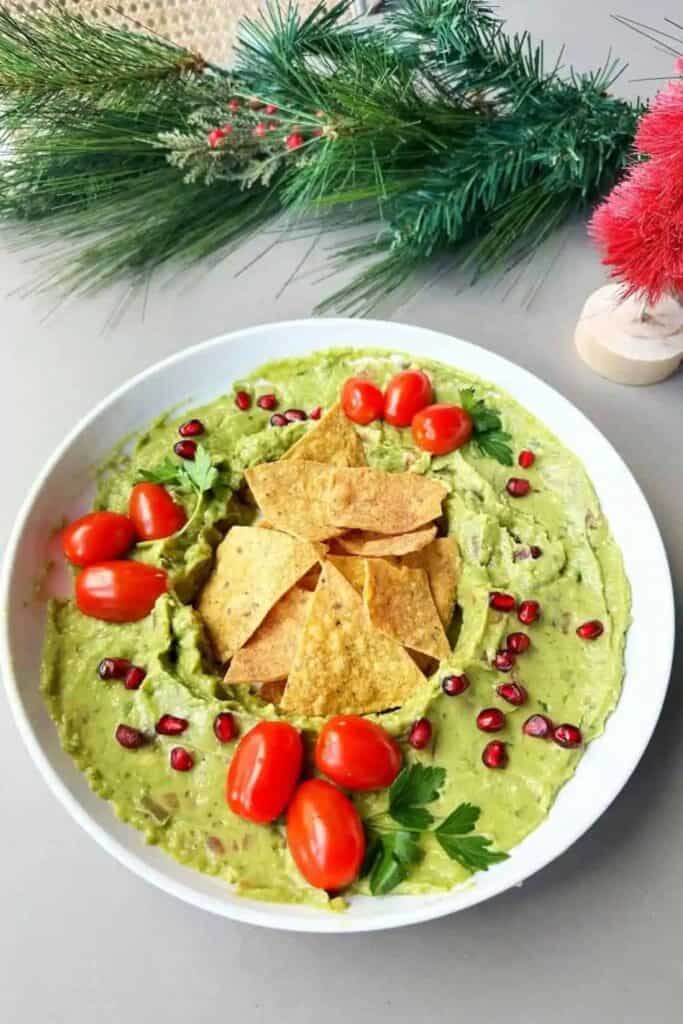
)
(406, 394)
(440, 429)
(357, 754)
(362, 401)
(264, 771)
(325, 835)
(119, 591)
(154, 512)
(97, 537)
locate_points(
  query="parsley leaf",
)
(489, 435)
(460, 821)
(418, 784)
(201, 471)
(473, 852)
(167, 472)
(395, 854)
(199, 475)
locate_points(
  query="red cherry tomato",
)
(264, 770)
(154, 512)
(440, 429)
(119, 591)
(357, 754)
(406, 394)
(97, 537)
(325, 835)
(362, 401)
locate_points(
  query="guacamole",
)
(552, 546)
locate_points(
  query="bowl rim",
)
(272, 915)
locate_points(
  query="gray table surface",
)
(595, 936)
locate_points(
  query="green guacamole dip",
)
(578, 576)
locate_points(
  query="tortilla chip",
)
(400, 605)
(311, 500)
(268, 656)
(374, 545)
(271, 693)
(351, 568)
(443, 565)
(343, 665)
(333, 440)
(253, 569)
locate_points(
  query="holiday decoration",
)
(633, 332)
(436, 129)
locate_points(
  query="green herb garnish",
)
(472, 851)
(488, 434)
(197, 476)
(419, 784)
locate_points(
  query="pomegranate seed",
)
(528, 612)
(234, 105)
(225, 727)
(537, 725)
(171, 725)
(491, 720)
(294, 141)
(518, 643)
(590, 630)
(243, 400)
(271, 108)
(260, 130)
(278, 420)
(129, 737)
(504, 661)
(501, 602)
(134, 677)
(113, 668)
(521, 554)
(295, 415)
(535, 551)
(215, 136)
(420, 733)
(526, 459)
(185, 449)
(267, 402)
(193, 428)
(495, 754)
(453, 686)
(513, 693)
(181, 759)
(316, 413)
(567, 736)
(517, 487)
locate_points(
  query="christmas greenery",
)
(433, 127)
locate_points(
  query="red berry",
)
(295, 415)
(590, 630)
(185, 449)
(528, 612)
(495, 754)
(420, 733)
(316, 413)
(453, 686)
(491, 720)
(278, 420)
(504, 661)
(271, 108)
(225, 727)
(501, 602)
(267, 402)
(260, 130)
(294, 141)
(517, 487)
(243, 400)
(215, 136)
(518, 643)
(129, 737)
(171, 725)
(526, 459)
(234, 105)
(538, 725)
(567, 736)
(535, 551)
(193, 428)
(113, 668)
(134, 677)
(513, 693)
(181, 759)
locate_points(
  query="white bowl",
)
(203, 372)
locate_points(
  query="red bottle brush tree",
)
(639, 227)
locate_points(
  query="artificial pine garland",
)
(435, 124)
